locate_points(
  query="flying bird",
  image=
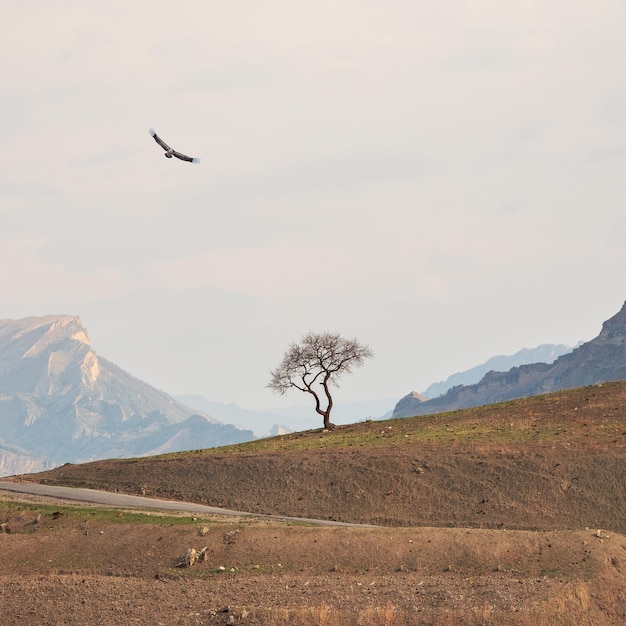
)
(170, 152)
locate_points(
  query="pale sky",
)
(444, 181)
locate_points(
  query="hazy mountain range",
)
(546, 353)
(290, 419)
(601, 359)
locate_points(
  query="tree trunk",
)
(327, 423)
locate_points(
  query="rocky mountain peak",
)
(409, 401)
(60, 402)
(40, 354)
(614, 329)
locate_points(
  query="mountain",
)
(546, 353)
(259, 422)
(599, 360)
(60, 402)
(293, 418)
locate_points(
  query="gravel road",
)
(107, 498)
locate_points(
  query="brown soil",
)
(544, 463)
(73, 567)
(512, 514)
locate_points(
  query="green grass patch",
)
(10, 510)
(596, 413)
(568, 415)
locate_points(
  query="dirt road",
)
(122, 500)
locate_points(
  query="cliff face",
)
(601, 359)
(60, 402)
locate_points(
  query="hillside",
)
(61, 402)
(599, 360)
(556, 461)
(511, 514)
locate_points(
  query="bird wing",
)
(159, 140)
(184, 157)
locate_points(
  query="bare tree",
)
(314, 364)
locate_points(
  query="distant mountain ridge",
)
(545, 353)
(292, 418)
(602, 359)
(60, 402)
(260, 423)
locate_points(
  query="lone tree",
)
(314, 364)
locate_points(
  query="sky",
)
(443, 181)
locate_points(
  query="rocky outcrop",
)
(408, 402)
(276, 430)
(60, 402)
(598, 360)
(13, 462)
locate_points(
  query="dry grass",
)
(573, 608)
